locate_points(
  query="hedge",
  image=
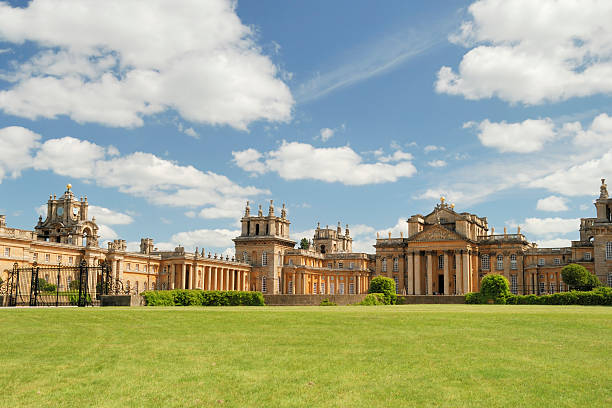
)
(601, 296)
(186, 297)
(373, 299)
(386, 287)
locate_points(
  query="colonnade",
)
(420, 272)
(188, 276)
(304, 283)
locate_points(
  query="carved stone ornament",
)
(436, 233)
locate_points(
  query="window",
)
(513, 262)
(291, 262)
(138, 267)
(323, 287)
(59, 259)
(396, 284)
(314, 287)
(587, 256)
(70, 260)
(35, 256)
(608, 250)
(441, 262)
(395, 264)
(484, 260)
(352, 265)
(146, 286)
(331, 288)
(541, 288)
(384, 264)
(552, 287)
(330, 265)
(129, 267)
(500, 262)
(290, 288)
(557, 261)
(47, 257)
(264, 284)
(264, 258)
(7, 252)
(145, 269)
(351, 288)
(541, 262)
(341, 287)
(340, 265)
(561, 287)
(514, 284)
(245, 257)
(610, 280)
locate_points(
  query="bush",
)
(44, 286)
(495, 287)
(578, 277)
(373, 299)
(386, 286)
(327, 302)
(600, 296)
(74, 285)
(473, 298)
(73, 299)
(186, 297)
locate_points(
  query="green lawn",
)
(404, 356)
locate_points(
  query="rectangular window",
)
(137, 267)
(557, 261)
(441, 262)
(264, 259)
(290, 288)
(542, 287)
(352, 265)
(59, 259)
(314, 287)
(395, 264)
(351, 288)
(35, 256)
(7, 252)
(513, 262)
(330, 265)
(290, 262)
(341, 287)
(552, 287)
(587, 256)
(264, 284)
(608, 250)
(340, 265)
(47, 257)
(541, 262)
(331, 288)
(610, 280)
(384, 265)
(561, 287)
(395, 278)
(70, 260)
(484, 260)
(500, 262)
(322, 287)
(514, 284)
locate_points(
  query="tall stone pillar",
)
(327, 285)
(207, 280)
(418, 287)
(232, 274)
(401, 268)
(182, 266)
(466, 272)
(429, 274)
(215, 276)
(446, 274)
(410, 286)
(458, 275)
(173, 279)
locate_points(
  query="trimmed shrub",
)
(327, 302)
(496, 287)
(473, 298)
(601, 296)
(578, 277)
(373, 299)
(73, 299)
(386, 286)
(196, 297)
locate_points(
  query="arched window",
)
(264, 258)
(608, 250)
(500, 262)
(484, 261)
(384, 264)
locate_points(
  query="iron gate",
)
(60, 285)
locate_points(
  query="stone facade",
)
(444, 253)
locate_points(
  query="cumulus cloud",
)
(325, 134)
(140, 174)
(116, 62)
(16, 147)
(299, 161)
(436, 163)
(108, 216)
(552, 203)
(522, 137)
(433, 148)
(547, 227)
(566, 45)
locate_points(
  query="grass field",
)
(404, 356)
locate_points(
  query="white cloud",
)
(397, 156)
(554, 243)
(139, 174)
(533, 51)
(599, 133)
(16, 146)
(433, 148)
(116, 62)
(205, 238)
(552, 203)
(325, 134)
(299, 161)
(547, 227)
(523, 137)
(106, 233)
(436, 163)
(106, 216)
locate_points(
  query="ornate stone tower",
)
(263, 243)
(329, 241)
(67, 221)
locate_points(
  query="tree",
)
(578, 277)
(386, 286)
(304, 243)
(44, 286)
(495, 287)
(74, 285)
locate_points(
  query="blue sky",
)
(169, 118)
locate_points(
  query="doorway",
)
(440, 284)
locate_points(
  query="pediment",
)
(438, 213)
(436, 233)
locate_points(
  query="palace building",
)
(443, 253)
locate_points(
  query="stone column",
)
(232, 273)
(173, 279)
(400, 270)
(327, 285)
(446, 274)
(466, 272)
(215, 284)
(410, 286)
(207, 279)
(429, 274)
(304, 284)
(182, 272)
(458, 276)
(418, 288)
